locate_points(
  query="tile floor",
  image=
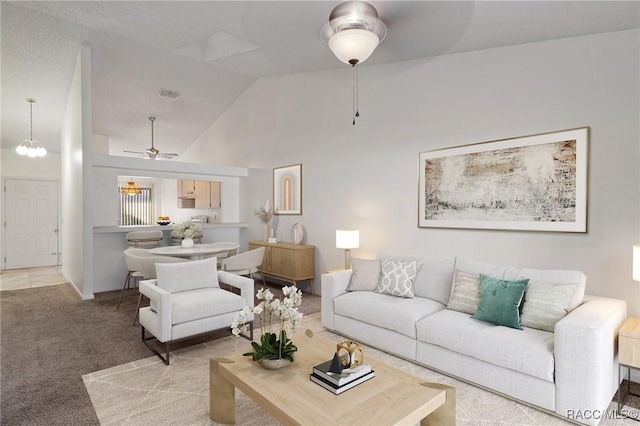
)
(17, 279)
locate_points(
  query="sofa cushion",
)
(465, 294)
(500, 301)
(382, 310)
(528, 351)
(366, 274)
(556, 277)
(185, 276)
(203, 303)
(434, 276)
(546, 304)
(397, 277)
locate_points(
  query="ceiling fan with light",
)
(153, 153)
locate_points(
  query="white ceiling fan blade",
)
(135, 152)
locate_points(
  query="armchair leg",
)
(250, 336)
(146, 340)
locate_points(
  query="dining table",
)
(197, 251)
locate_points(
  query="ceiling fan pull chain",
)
(356, 113)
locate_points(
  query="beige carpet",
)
(147, 392)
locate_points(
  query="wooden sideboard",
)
(287, 261)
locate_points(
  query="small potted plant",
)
(275, 349)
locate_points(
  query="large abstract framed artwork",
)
(287, 190)
(533, 183)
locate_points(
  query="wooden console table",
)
(287, 261)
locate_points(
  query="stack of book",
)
(338, 383)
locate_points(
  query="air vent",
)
(169, 93)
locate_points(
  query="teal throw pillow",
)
(500, 301)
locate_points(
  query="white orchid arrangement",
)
(265, 213)
(188, 229)
(275, 317)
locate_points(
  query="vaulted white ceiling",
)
(211, 51)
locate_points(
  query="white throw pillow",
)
(365, 274)
(184, 276)
(397, 277)
(465, 296)
(546, 304)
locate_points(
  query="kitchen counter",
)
(115, 229)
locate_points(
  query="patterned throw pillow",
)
(500, 301)
(466, 292)
(546, 304)
(365, 274)
(397, 277)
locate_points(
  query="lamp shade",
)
(636, 263)
(347, 239)
(131, 189)
(353, 46)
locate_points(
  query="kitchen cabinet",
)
(186, 189)
(207, 194)
(287, 261)
(199, 194)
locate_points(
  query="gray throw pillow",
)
(397, 277)
(365, 274)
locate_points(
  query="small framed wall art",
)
(533, 183)
(287, 190)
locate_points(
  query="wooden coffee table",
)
(392, 397)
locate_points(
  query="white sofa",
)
(566, 372)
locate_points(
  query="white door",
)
(31, 228)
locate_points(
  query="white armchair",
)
(187, 301)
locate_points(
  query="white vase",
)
(265, 232)
(274, 364)
(187, 242)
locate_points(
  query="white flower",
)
(270, 308)
(188, 229)
(258, 309)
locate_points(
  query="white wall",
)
(365, 176)
(77, 225)
(14, 165)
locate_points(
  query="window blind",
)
(137, 209)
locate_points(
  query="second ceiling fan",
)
(153, 153)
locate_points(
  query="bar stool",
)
(144, 238)
(133, 259)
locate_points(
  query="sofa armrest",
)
(161, 321)
(243, 283)
(585, 349)
(333, 285)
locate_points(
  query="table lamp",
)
(347, 240)
(636, 263)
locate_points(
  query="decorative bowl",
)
(163, 222)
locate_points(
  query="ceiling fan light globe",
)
(21, 149)
(41, 151)
(353, 44)
(31, 152)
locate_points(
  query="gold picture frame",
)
(287, 190)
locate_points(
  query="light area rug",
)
(146, 392)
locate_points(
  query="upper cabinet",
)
(205, 193)
(186, 189)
